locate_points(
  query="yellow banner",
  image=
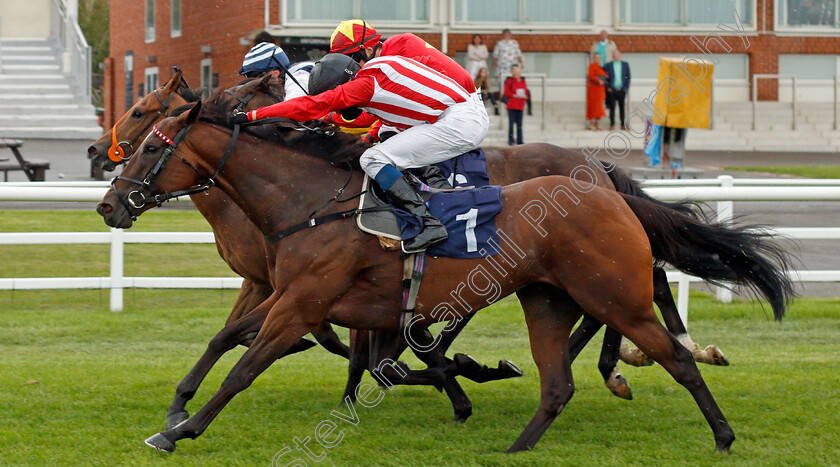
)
(684, 93)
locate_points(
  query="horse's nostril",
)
(92, 151)
(104, 208)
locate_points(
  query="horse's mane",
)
(276, 87)
(331, 144)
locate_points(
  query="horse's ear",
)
(192, 116)
(174, 81)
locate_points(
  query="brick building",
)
(789, 37)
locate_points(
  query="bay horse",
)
(585, 265)
(234, 234)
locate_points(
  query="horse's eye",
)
(151, 149)
(137, 114)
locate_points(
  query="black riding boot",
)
(407, 198)
(432, 176)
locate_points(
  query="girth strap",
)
(413, 267)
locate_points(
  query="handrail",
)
(72, 43)
(834, 107)
(792, 78)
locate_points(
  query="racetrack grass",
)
(82, 385)
(807, 171)
(93, 260)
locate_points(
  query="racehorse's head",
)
(155, 173)
(118, 145)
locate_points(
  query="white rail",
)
(725, 190)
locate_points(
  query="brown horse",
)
(560, 267)
(505, 166)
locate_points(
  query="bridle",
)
(116, 153)
(135, 199)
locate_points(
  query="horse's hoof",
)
(160, 442)
(462, 417)
(635, 357)
(175, 419)
(718, 358)
(508, 369)
(466, 364)
(723, 445)
(619, 387)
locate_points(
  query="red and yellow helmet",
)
(353, 35)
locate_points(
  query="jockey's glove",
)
(239, 117)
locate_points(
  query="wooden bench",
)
(35, 169)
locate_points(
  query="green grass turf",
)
(82, 385)
(807, 171)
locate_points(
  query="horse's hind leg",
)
(228, 338)
(638, 322)
(665, 300)
(326, 336)
(550, 314)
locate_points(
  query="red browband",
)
(161, 135)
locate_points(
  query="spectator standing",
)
(604, 46)
(516, 92)
(476, 56)
(618, 84)
(595, 93)
(506, 54)
(482, 85)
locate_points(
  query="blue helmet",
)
(264, 57)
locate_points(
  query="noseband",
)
(135, 199)
(116, 153)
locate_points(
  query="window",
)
(207, 74)
(150, 20)
(332, 11)
(685, 12)
(176, 18)
(151, 79)
(805, 66)
(808, 13)
(509, 12)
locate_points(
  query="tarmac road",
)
(69, 162)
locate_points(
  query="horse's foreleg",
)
(447, 336)
(550, 315)
(251, 294)
(584, 333)
(358, 362)
(228, 338)
(665, 300)
(326, 336)
(282, 327)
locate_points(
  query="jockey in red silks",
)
(438, 119)
(359, 40)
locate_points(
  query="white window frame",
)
(149, 75)
(684, 25)
(149, 32)
(523, 22)
(173, 32)
(780, 5)
(357, 13)
(208, 84)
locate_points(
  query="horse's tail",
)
(717, 252)
(624, 184)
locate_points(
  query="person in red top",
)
(359, 40)
(516, 93)
(439, 120)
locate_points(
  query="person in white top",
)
(476, 55)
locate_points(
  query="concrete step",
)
(60, 132)
(10, 59)
(26, 50)
(50, 109)
(25, 42)
(48, 120)
(35, 100)
(29, 69)
(52, 88)
(45, 78)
